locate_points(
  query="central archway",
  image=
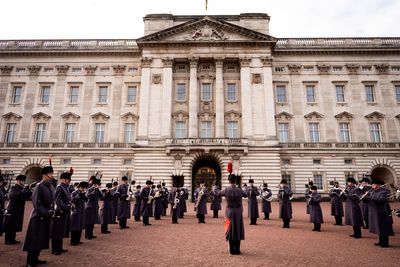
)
(386, 175)
(207, 168)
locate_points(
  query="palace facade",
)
(197, 92)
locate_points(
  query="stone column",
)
(166, 98)
(88, 89)
(117, 91)
(269, 103)
(58, 98)
(144, 100)
(245, 86)
(219, 99)
(5, 71)
(193, 99)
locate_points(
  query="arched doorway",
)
(32, 173)
(385, 174)
(206, 168)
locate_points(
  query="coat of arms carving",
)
(206, 33)
(156, 78)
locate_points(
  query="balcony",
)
(206, 141)
(25, 145)
(339, 145)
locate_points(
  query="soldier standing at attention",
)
(147, 205)
(158, 203)
(365, 187)
(252, 193)
(93, 195)
(124, 203)
(266, 202)
(114, 202)
(315, 209)
(165, 199)
(285, 204)
(216, 200)
(3, 198)
(182, 203)
(307, 194)
(78, 199)
(336, 203)
(353, 211)
(138, 204)
(201, 195)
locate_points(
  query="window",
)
(6, 161)
(133, 69)
(97, 161)
(279, 69)
(73, 94)
(206, 92)
(99, 134)
(66, 161)
(104, 69)
(11, 130)
(375, 129)
(366, 68)
(370, 93)
(127, 162)
(45, 94)
(397, 89)
(308, 68)
(314, 132)
(285, 162)
(129, 136)
(205, 129)
(16, 95)
(19, 70)
(103, 92)
(281, 94)
(40, 132)
(310, 91)
(180, 129)
(344, 129)
(131, 94)
(348, 161)
(75, 70)
(47, 69)
(340, 93)
(231, 92)
(288, 178)
(337, 68)
(318, 181)
(395, 68)
(181, 92)
(69, 132)
(316, 161)
(206, 67)
(232, 129)
(283, 131)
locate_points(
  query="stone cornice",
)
(10, 115)
(146, 62)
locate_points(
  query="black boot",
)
(174, 219)
(384, 241)
(215, 213)
(137, 218)
(231, 247)
(104, 229)
(357, 232)
(237, 247)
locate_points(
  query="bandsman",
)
(285, 205)
(147, 202)
(365, 187)
(307, 194)
(353, 214)
(337, 203)
(201, 195)
(3, 198)
(138, 204)
(106, 209)
(252, 193)
(158, 202)
(114, 202)
(266, 202)
(93, 195)
(165, 199)
(315, 209)
(124, 204)
(78, 200)
(182, 203)
(174, 198)
(216, 200)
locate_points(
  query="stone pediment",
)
(344, 116)
(180, 114)
(69, 115)
(284, 115)
(128, 115)
(314, 115)
(100, 116)
(11, 115)
(205, 30)
(375, 116)
(41, 115)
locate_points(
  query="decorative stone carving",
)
(375, 116)
(382, 68)
(11, 115)
(283, 116)
(70, 115)
(323, 69)
(6, 70)
(353, 68)
(294, 68)
(232, 115)
(129, 115)
(156, 78)
(180, 115)
(314, 115)
(206, 33)
(267, 61)
(245, 62)
(90, 70)
(146, 62)
(256, 78)
(41, 115)
(34, 70)
(194, 61)
(62, 69)
(99, 116)
(167, 62)
(219, 62)
(119, 69)
(344, 116)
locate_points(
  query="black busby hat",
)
(377, 181)
(138, 186)
(310, 183)
(97, 181)
(1, 178)
(115, 183)
(108, 185)
(351, 180)
(46, 170)
(313, 187)
(202, 181)
(283, 181)
(83, 184)
(21, 177)
(232, 178)
(158, 186)
(124, 178)
(153, 186)
(148, 182)
(65, 175)
(365, 180)
(163, 184)
(251, 181)
(265, 185)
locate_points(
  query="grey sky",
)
(76, 19)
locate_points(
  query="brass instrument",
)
(150, 197)
(264, 194)
(176, 199)
(201, 193)
(130, 192)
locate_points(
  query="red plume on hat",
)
(71, 171)
(229, 167)
(49, 161)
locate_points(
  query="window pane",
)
(99, 134)
(16, 95)
(375, 129)
(69, 132)
(73, 94)
(45, 94)
(397, 93)
(205, 129)
(283, 129)
(232, 129)
(131, 94)
(181, 92)
(180, 129)
(344, 132)
(11, 132)
(340, 93)
(318, 181)
(281, 94)
(103, 90)
(310, 93)
(40, 132)
(231, 92)
(314, 132)
(369, 89)
(206, 92)
(129, 133)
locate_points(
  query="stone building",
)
(197, 92)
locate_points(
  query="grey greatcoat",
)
(266, 204)
(78, 200)
(60, 223)
(92, 205)
(171, 199)
(3, 198)
(336, 202)
(353, 214)
(315, 208)
(14, 213)
(106, 213)
(307, 196)
(114, 204)
(202, 201)
(158, 203)
(252, 193)
(124, 206)
(285, 205)
(182, 201)
(216, 199)
(138, 203)
(380, 219)
(234, 212)
(146, 208)
(38, 234)
(365, 203)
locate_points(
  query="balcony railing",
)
(66, 145)
(338, 42)
(207, 141)
(339, 145)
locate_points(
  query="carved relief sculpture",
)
(90, 70)
(156, 78)
(34, 70)
(6, 70)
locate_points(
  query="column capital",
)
(219, 62)
(267, 61)
(245, 62)
(34, 70)
(6, 70)
(119, 69)
(194, 61)
(167, 62)
(62, 69)
(146, 62)
(90, 69)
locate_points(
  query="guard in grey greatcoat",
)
(234, 226)
(252, 193)
(3, 198)
(307, 194)
(61, 220)
(114, 202)
(315, 209)
(216, 200)
(138, 204)
(165, 199)
(365, 187)
(147, 202)
(285, 204)
(266, 203)
(78, 199)
(37, 236)
(105, 213)
(380, 219)
(158, 202)
(173, 199)
(200, 196)
(124, 203)
(93, 195)
(336, 203)
(182, 203)
(14, 212)
(353, 214)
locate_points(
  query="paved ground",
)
(191, 244)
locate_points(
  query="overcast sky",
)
(103, 19)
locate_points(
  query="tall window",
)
(129, 133)
(370, 93)
(310, 91)
(11, 131)
(103, 93)
(99, 132)
(288, 178)
(283, 130)
(73, 94)
(69, 132)
(375, 129)
(131, 94)
(344, 132)
(340, 93)
(397, 89)
(318, 181)
(231, 92)
(232, 129)
(206, 92)
(180, 129)
(45, 94)
(181, 92)
(281, 94)
(40, 132)
(314, 132)
(16, 95)
(205, 129)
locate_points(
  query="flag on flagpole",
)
(206, 5)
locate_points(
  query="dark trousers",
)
(157, 216)
(32, 258)
(215, 213)
(137, 218)
(174, 219)
(9, 236)
(201, 218)
(266, 215)
(286, 222)
(357, 231)
(384, 241)
(181, 215)
(366, 223)
(122, 223)
(146, 220)
(76, 237)
(89, 230)
(253, 221)
(317, 227)
(164, 213)
(234, 247)
(104, 229)
(338, 220)
(56, 245)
